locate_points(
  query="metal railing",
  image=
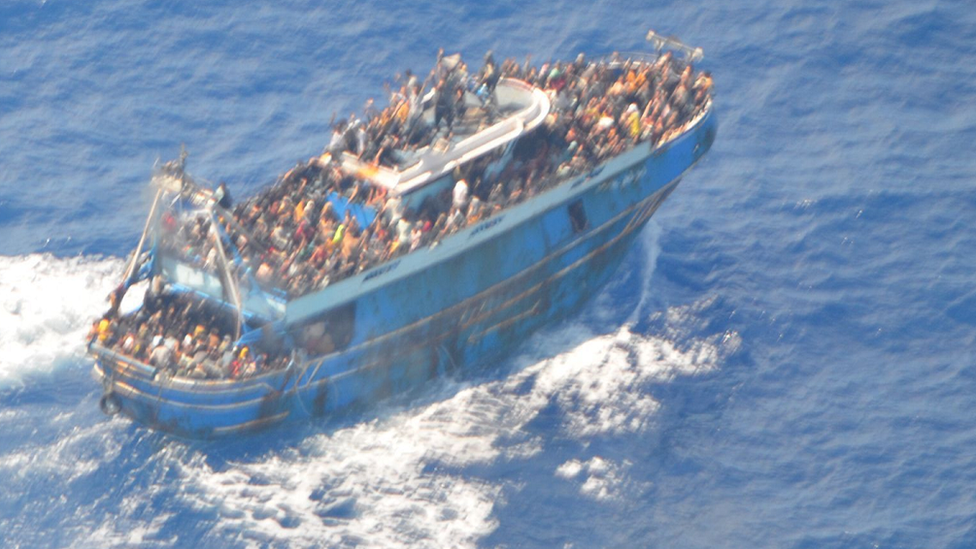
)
(670, 42)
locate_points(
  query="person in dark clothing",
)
(490, 73)
(444, 105)
(222, 196)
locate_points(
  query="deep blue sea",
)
(785, 360)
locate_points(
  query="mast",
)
(142, 240)
(228, 275)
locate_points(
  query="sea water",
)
(785, 358)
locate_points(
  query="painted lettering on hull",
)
(626, 179)
(382, 270)
(486, 225)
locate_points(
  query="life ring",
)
(109, 404)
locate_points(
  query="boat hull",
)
(513, 273)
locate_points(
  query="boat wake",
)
(423, 477)
(429, 474)
(47, 305)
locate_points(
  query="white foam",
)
(649, 249)
(77, 452)
(604, 479)
(398, 482)
(47, 305)
(401, 481)
(570, 469)
(366, 483)
(646, 253)
(135, 535)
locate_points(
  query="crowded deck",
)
(333, 217)
(322, 222)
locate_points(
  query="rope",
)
(298, 392)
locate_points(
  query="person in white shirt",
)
(460, 194)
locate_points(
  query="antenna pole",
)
(142, 240)
(660, 42)
(228, 275)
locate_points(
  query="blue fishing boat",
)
(434, 236)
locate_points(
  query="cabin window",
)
(577, 216)
(329, 332)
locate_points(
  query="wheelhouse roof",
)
(527, 107)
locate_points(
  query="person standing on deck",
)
(222, 197)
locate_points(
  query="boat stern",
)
(197, 409)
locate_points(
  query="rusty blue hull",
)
(470, 299)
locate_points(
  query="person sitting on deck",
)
(598, 110)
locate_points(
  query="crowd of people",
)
(304, 233)
(183, 336)
(293, 237)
